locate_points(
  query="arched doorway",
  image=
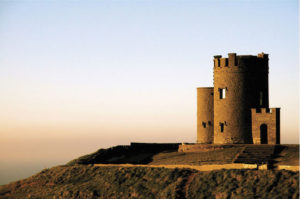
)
(263, 134)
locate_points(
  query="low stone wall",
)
(153, 147)
(263, 167)
(224, 166)
(288, 167)
(204, 147)
(209, 167)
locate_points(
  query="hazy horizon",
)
(78, 76)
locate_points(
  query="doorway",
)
(263, 134)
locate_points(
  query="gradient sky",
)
(76, 76)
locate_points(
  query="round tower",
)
(240, 83)
(205, 115)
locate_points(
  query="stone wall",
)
(153, 147)
(205, 147)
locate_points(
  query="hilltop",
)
(145, 177)
(168, 154)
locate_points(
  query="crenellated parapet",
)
(263, 111)
(241, 63)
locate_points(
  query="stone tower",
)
(236, 110)
(205, 115)
(240, 83)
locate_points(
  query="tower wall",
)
(205, 115)
(240, 83)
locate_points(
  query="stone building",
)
(236, 110)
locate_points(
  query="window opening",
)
(222, 92)
(222, 127)
(264, 134)
(204, 124)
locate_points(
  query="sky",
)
(76, 76)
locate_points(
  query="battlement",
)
(242, 61)
(263, 111)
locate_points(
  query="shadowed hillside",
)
(141, 153)
(160, 154)
(86, 181)
(135, 153)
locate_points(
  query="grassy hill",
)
(81, 179)
(86, 181)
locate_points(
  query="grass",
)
(223, 156)
(80, 179)
(289, 155)
(245, 184)
(85, 181)
(95, 182)
(127, 154)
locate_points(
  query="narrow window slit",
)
(222, 127)
(222, 93)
